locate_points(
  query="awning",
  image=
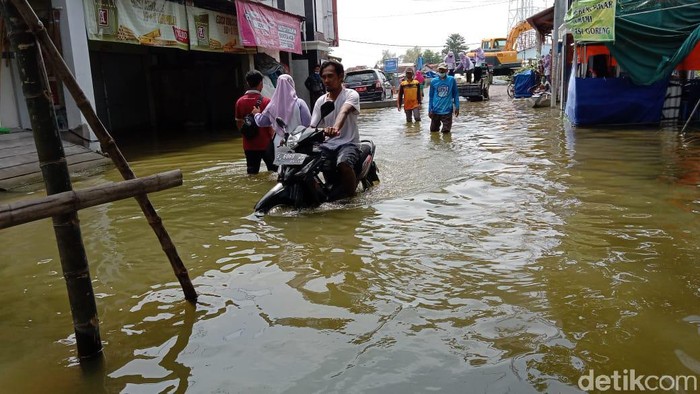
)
(692, 61)
(268, 27)
(542, 21)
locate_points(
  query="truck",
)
(501, 56)
(477, 90)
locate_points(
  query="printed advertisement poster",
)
(143, 22)
(592, 20)
(268, 28)
(213, 31)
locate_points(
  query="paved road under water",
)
(510, 256)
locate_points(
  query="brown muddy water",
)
(513, 255)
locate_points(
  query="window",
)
(364, 76)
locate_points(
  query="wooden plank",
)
(61, 203)
(17, 150)
(16, 136)
(28, 168)
(15, 143)
(19, 162)
(11, 161)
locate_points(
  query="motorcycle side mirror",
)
(280, 123)
(326, 108)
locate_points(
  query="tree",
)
(455, 43)
(430, 57)
(411, 55)
(386, 54)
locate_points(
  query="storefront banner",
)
(157, 23)
(213, 31)
(267, 28)
(592, 20)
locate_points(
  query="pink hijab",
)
(419, 76)
(283, 101)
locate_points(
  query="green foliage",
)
(431, 57)
(386, 54)
(455, 43)
(411, 55)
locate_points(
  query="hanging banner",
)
(157, 23)
(268, 28)
(213, 31)
(592, 20)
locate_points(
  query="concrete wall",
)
(300, 73)
(74, 43)
(9, 111)
(295, 7)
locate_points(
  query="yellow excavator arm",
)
(518, 29)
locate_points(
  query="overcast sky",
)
(425, 23)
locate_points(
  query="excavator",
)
(500, 53)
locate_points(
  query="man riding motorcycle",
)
(341, 148)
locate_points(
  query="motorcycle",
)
(301, 164)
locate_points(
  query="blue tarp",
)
(523, 82)
(614, 101)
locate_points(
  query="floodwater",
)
(513, 255)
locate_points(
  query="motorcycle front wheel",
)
(277, 196)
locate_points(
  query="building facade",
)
(158, 67)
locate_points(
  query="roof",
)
(542, 21)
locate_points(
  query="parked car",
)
(370, 84)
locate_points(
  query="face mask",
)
(317, 72)
(442, 75)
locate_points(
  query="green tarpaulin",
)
(654, 36)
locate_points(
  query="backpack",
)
(249, 129)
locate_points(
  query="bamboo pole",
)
(107, 143)
(690, 117)
(54, 168)
(71, 201)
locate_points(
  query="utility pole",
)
(519, 10)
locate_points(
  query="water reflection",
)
(511, 254)
(154, 371)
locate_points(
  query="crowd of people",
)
(342, 138)
(443, 99)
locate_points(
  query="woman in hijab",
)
(286, 105)
(466, 66)
(480, 57)
(451, 63)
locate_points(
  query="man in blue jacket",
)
(444, 98)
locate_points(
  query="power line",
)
(392, 45)
(427, 12)
(401, 45)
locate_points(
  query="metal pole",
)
(691, 116)
(555, 54)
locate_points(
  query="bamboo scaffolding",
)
(71, 201)
(106, 141)
(690, 117)
(54, 168)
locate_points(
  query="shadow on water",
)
(511, 254)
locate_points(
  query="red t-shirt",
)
(244, 106)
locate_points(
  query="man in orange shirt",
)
(411, 96)
(259, 147)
